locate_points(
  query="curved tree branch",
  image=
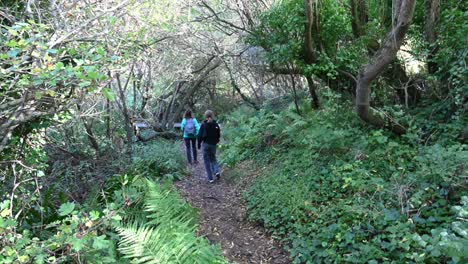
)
(384, 56)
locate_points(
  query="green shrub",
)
(160, 158)
(77, 235)
(132, 219)
(336, 191)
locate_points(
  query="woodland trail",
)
(223, 220)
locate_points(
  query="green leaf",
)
(38, 95)
(85, 84)
(78, 244)
(94, 215)
(72, 51)
(100, 51)
(78, 62)
(13, 32)
(100, 242)
(66, 208)
(112, 20)
(4, 204)
(23, 258)
(11, 44)
(108, 93)
(40, 258)
(93, 75)
(5, 213)
(116, 217)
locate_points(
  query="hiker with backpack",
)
(190, 127)
(209, 136)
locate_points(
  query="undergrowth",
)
(165, 159)
(137, 217)
(339, 191)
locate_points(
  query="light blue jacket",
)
(197, 127)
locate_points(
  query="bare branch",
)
(52, 44)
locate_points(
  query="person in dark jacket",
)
(208, 137)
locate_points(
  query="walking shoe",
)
(218, 175)
(211, 181)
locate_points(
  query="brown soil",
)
(223, 219)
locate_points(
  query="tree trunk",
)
(170, 121)
(125, 112)
(296, 104)
(359, 17)
(432, 17)
(170, 107)
(310, 55)
(89, 132)
(91, 137)
(146, 94)
(315, 103)
(385, 55)
(108, 116)
(134, 98)
(309, 50)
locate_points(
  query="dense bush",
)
(338, 191)
(165, 159)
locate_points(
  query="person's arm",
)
(200, 137)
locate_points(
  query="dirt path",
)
(223, 220)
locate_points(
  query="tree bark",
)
(108, 123)
(91, 137)
(146, 94)
(359, 17)
(315, 103)
(89, 132)
(108, 111)
(170, 107)
(296, 104)
(134, 97)
(125, 112)
(310, 56)
(385, 55)
(309, 50)
(432, 17)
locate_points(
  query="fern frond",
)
(169, 234)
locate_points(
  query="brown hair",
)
(209, 115)
(188, 114)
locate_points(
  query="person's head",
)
(209, 115)
(188, 114)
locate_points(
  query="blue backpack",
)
(189, 128)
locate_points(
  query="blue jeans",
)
(191, 148)
(209, 157)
